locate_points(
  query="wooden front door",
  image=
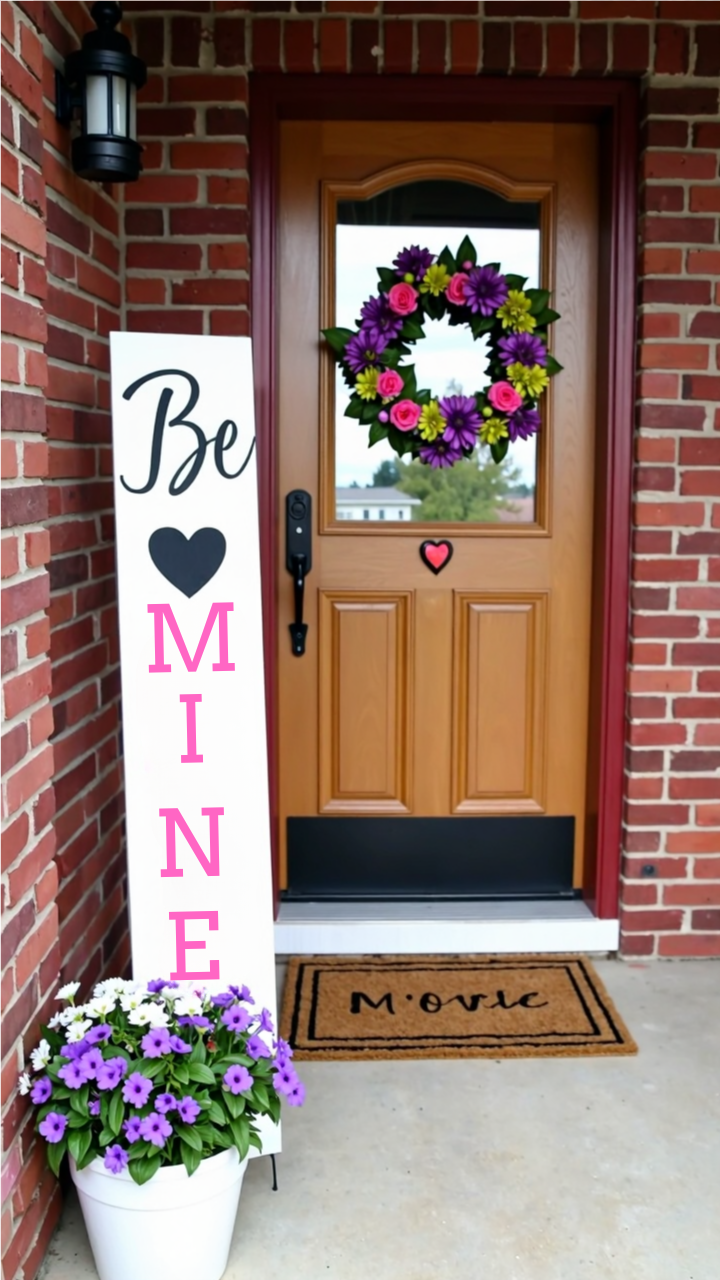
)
(460, 697)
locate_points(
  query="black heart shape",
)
(188, 563)
(426, 552)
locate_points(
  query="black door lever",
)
(298, 559)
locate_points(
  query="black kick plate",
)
(488, 857)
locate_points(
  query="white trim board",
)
(416, 928)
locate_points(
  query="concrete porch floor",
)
(537, 1169)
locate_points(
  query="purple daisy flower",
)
(188, 1110)
(155, 1043)
(523, 423)
(165, 1102)
(257, 1048)
(413, 261)
(284, 1078)
(236, 1019)
(360, 352)
(93, 1061)
(266, 1023)
(238, 1079)
(194, 1020)
(243, 992)
(180, 1046)
(116, 1158)
(440, 453)
(296, 1096)
(463, 420)
(155, 1128)
(133, 1128)
(53, 1126)
(111, 1073)
(379, 320)
(74, 1074)
(522, 348)
(96, 1035)
(485, 290)
(41, 1091)
(94, 1107)
(137, 1089)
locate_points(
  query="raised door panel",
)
(364, 702)
(500, 692)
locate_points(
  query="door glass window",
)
(369, 234)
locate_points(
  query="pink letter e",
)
(182, 944)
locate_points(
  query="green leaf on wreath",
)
(55, 1153)
(539, 299)
(446, 259)
(412, 329)
(546, 317)
(378, 432)
(370, 410)
(141, 1171)
(337, 338)
(499, 449)
(391, 357)
(409, 382)
(481, 324)
(553, 366)
(354, 407)
(434, 307)
(387, 277)
(466, 253)
(399, 441)
(515, 282)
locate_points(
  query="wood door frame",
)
(613, 105)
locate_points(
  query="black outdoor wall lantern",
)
(102, 80)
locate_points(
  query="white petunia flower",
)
(76, 1031)
(100, 1006)
(188, 1006)
(41, 1056)
(131, 1000)
(56, 1021)
(159, 1017)
(68, 991)
(141, 1016)
(24, 1083)
(68, 1015)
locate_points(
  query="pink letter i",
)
(192, 756)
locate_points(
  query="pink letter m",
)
(163, 613)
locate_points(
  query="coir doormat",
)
(512, 1006)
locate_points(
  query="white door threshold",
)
(417, 928)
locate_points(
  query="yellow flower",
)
(515, 312)
(435, 280)
(432, 423)
(367, 384)
(492, 430)
(529, 381)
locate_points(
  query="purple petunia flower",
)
(94, 1107)
(155, 1128)
(236, 1019)
(137, 1089)
(180, 1046)
(53, 1126)
(165, 1102)
(74, 1051)
(243, 992)
(194, 1020)
(379, 320)
(257, 1048)
(92, 1061)
(360, 352)
(238, 1079)
(523, 423)
(188, 1110)
(284, 1078)
(155, 1043)
(96, 1035)
(155, 985)
(116, 1158)
(222, 999)
(282, 1047)
(463, 420)
(74, 1074)
(440, 453)
(133, 1128)
(413, 261)
(111, 1073)
(522, 348)
(266, 1023)
(296, 1096)
(485, 290)
(41, 1091)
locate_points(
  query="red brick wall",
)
(63, 897)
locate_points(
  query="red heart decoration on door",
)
(436, 554)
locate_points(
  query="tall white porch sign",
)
(192, 662)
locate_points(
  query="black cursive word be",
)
(188, 470)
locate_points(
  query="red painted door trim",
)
(613, 104)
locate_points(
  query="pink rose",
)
(504, 398)
(402, 299)
(456, 289)
(405, 415)
(390, 384)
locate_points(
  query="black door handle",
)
(298, 559)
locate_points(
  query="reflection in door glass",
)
(374, 484)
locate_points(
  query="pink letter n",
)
(173, 818)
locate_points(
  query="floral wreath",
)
(385, 396)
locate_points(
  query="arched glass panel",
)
(370, 233)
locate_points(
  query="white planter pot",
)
(173, 1226)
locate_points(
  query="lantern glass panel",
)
(119, 107)
(132, 129)
(96, 105)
